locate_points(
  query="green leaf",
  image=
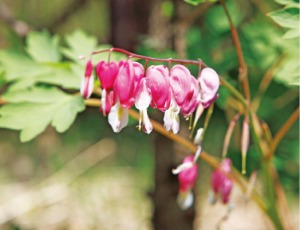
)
(292, 33)
(197, 2)
(286, 2)
(287, 17)
(33, 110)
(288, 71)
(79, 44)
(43, 48)
(17, 66)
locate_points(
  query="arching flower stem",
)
(199, 62)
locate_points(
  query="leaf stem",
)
(234, 91)
(280, 134)
(243, 71)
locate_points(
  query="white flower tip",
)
(182, 167)
(185, 200)
(81, 57)
(198, 137)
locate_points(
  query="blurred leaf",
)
(79, 44)
(287, 17)
(27, 72)
(286, 2)
(217, 20)
(167, 8)
(292, 33)
(32, 110)
(19, 66)
(197, 2)
(43, 48)
(288, 72)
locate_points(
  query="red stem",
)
(199, 63)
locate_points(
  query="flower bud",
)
(220, 182)
(87, 83)
(209, 84)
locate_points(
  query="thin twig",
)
(243, 71)
(281, 133)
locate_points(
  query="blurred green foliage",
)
(40, 77)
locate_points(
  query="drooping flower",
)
(158, 83)
(87, 83)
(187, 176)
(209, 84)
(180, 81)
(193, 99)
(126, 82)
(221, 183)
(124, 91)
(107, 73)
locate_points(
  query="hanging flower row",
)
(169, 90)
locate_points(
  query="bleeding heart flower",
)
(180, 81)
(192, 100)
(158, 83)
(187, 176)
(107, 73)
(87, 83)
(220, 182)
(127, 80)
(209, 84)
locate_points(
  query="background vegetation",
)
(81, 175)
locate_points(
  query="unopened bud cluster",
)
(169, 90)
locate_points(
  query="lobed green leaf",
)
(32, 110)
(42, 47)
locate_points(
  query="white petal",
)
(175, 123)
(168, 119)
(103, 101)
(198, 136)
(185, 200)
(147, 126)
(182, 167)
(118, 117)
(143, 97)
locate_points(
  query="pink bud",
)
(159, 85)
(107, 101)
(107, 73)
(220, 182)
(209, 84)
(187, 177)
(87, 83)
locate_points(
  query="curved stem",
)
(199, 62)
(283, 130)
(243, 71)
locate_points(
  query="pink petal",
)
(107, 73)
